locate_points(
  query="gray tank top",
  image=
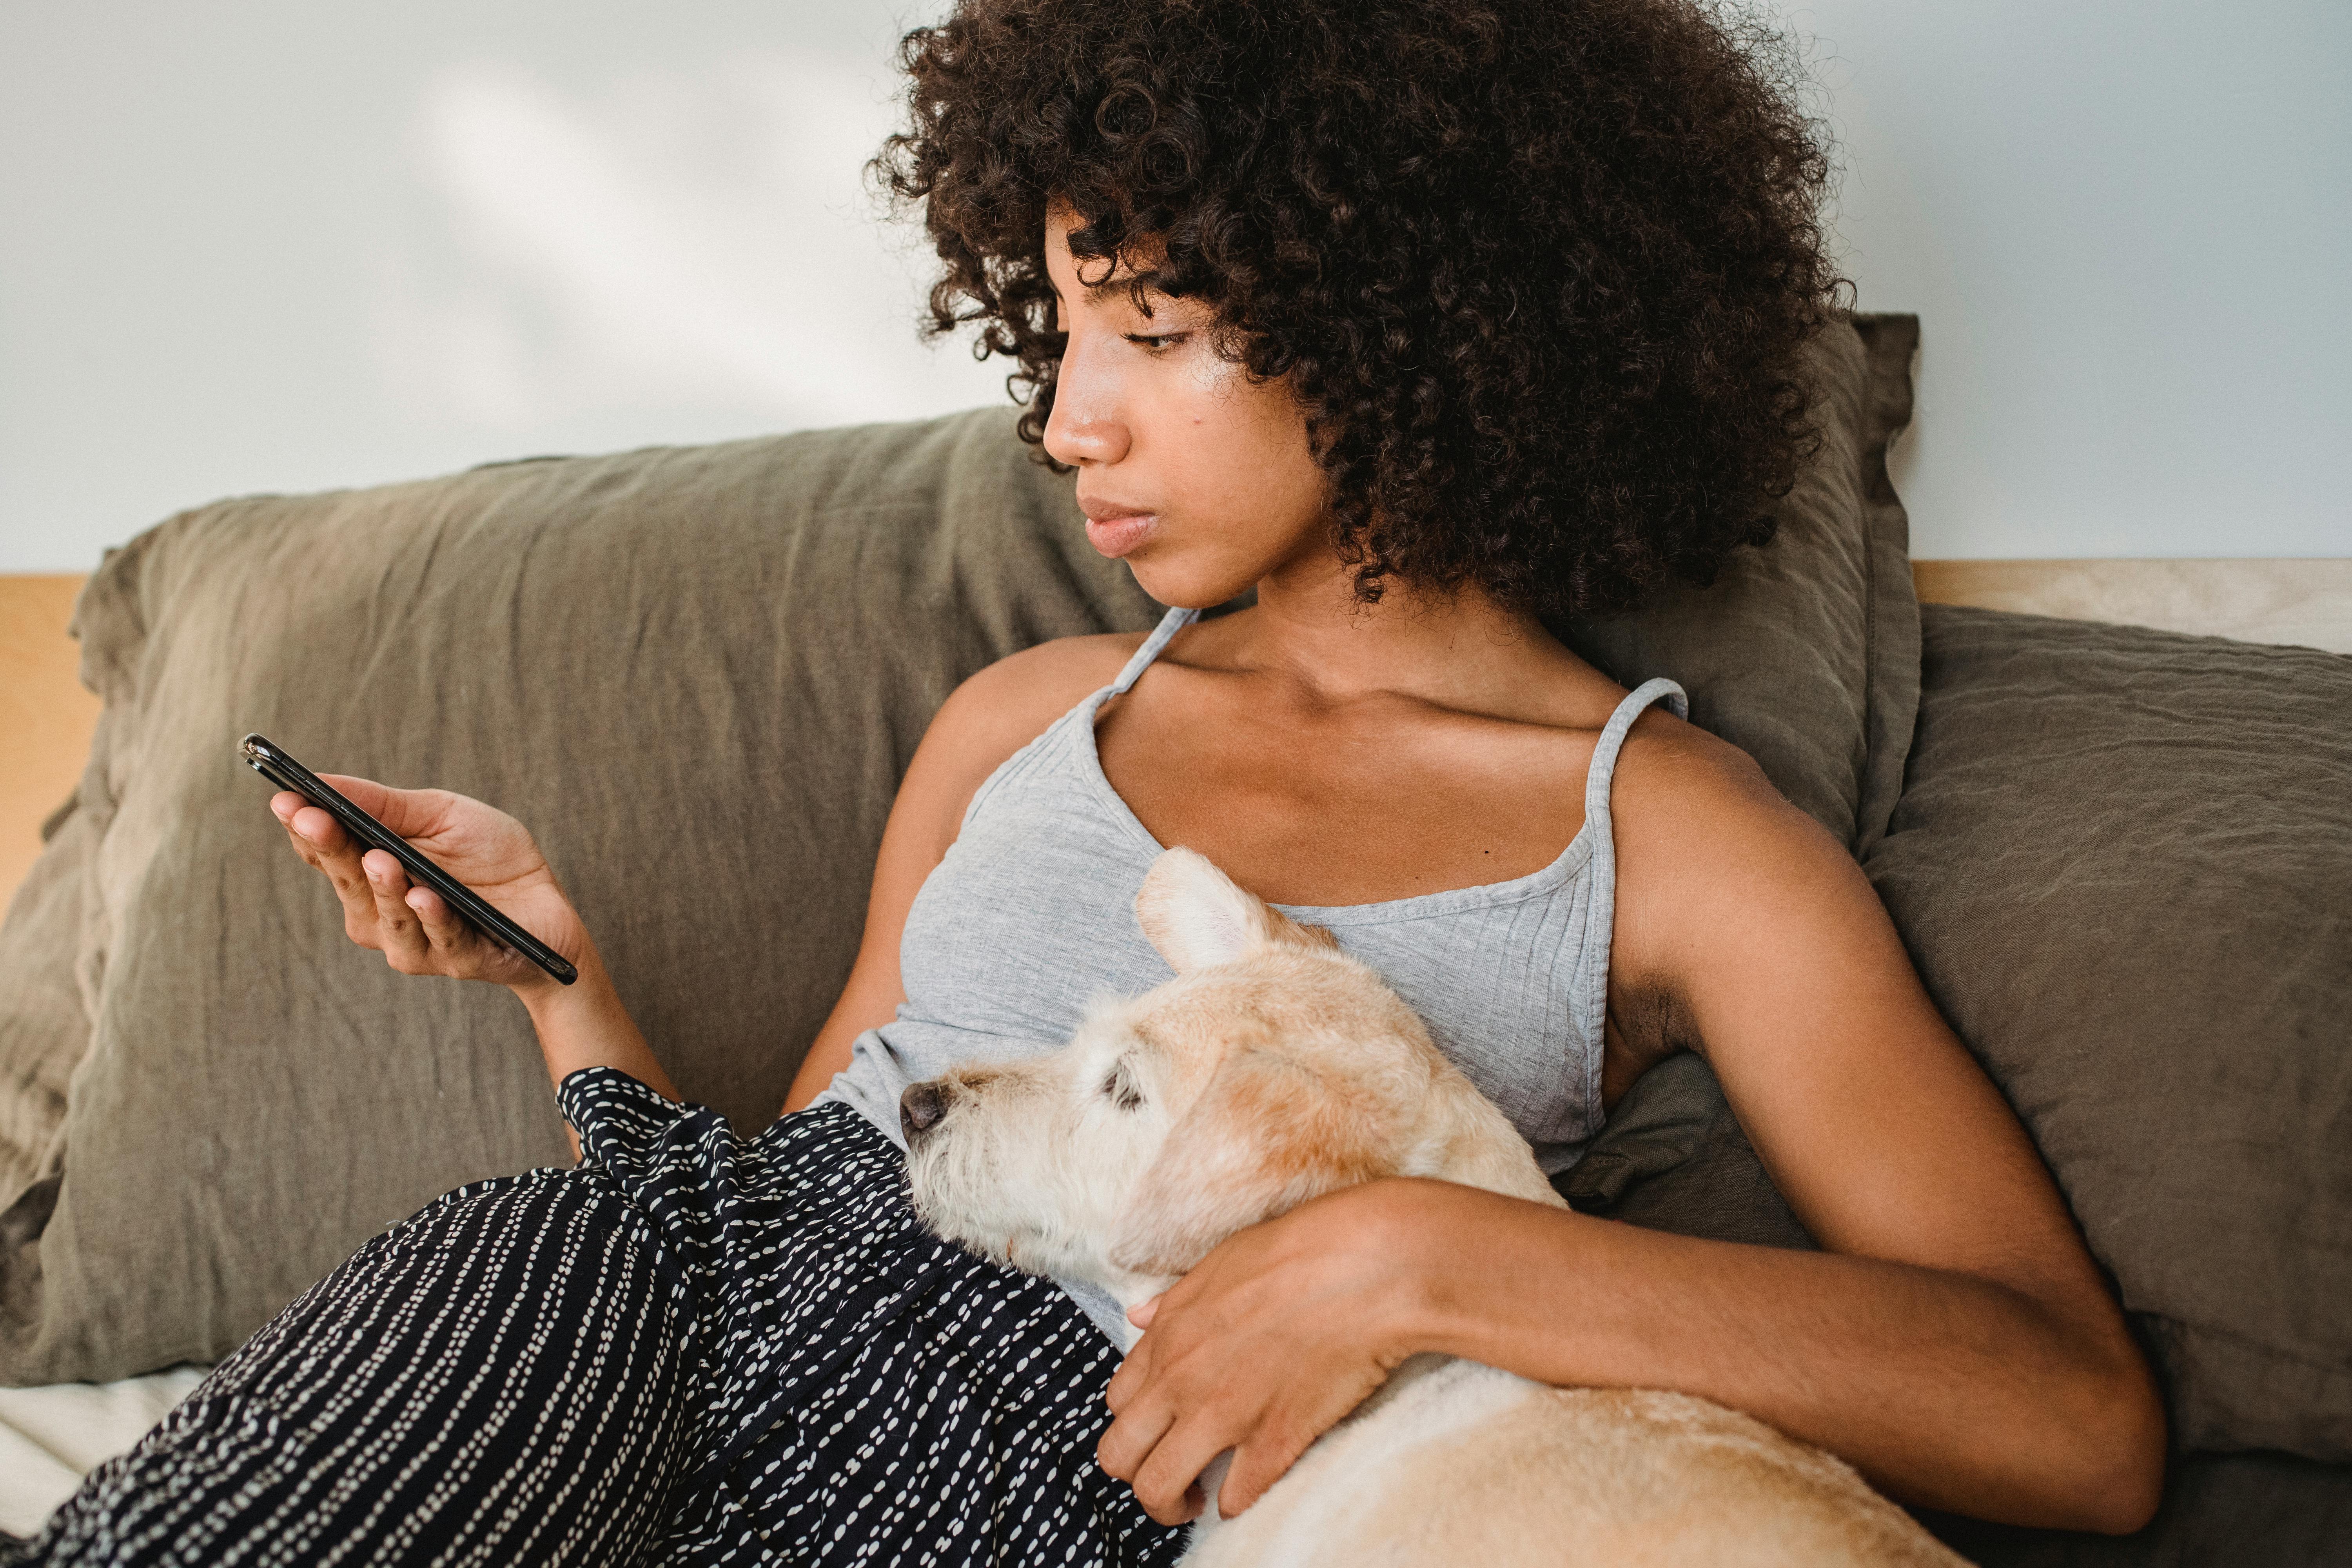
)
(1032, 912)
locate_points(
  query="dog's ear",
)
(1266, 1135)
(1195, 916)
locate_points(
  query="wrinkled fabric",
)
(693, 1349)
(2124, 867)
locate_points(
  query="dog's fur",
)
(1272, 1069)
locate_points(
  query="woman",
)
(1430, 321)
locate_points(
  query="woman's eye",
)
(1154, 343)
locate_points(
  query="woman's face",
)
(1199, 479)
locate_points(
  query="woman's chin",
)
(1186, 584)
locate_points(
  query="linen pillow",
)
(1806, 655)
(2124, 867)
(2136, 906)
(697, 675)
(2269, 1510)
(44, 1022)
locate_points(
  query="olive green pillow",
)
(2123, 864)
(1806, 654)
(2124, 867)
(44, 1014)
(697, 675)
(2261, 1509)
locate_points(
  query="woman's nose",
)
(1084, 427)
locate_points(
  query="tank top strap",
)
(1590, 996)
(1612, 739)
(1171, 623)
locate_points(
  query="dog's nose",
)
(921, 1106)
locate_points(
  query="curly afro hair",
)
(1540, 272)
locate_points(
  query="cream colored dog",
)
(1274, 1068)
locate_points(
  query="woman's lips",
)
(1115, 536)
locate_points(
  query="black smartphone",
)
(283, 771)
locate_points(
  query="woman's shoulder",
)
(1707, 847)
(1694, 794)
(1701, 831)
(1003, 707)
(1050, 678)
(993, 714)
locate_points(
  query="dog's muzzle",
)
(921, 1108)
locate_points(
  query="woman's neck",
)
(1455, 649)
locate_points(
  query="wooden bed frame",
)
(46, 717)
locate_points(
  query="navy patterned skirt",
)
(689, 1349)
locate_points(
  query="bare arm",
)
(1954, 1338)
(1954, 1341)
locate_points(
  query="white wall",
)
(290, 244)
(2126, 227)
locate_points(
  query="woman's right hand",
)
(413, 927)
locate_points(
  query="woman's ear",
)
(1196, 916)
(1266, 1135)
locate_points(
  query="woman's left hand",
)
(1271, 1337)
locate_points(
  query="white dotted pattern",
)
(690, 1349)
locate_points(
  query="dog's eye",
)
(1119, 1093)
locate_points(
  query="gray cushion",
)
(1807, 655)
(697, 673)
(44, 1021)
(697, 676)
(2123, 865)
(2264, 1510)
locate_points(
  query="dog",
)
(1275, 1069)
